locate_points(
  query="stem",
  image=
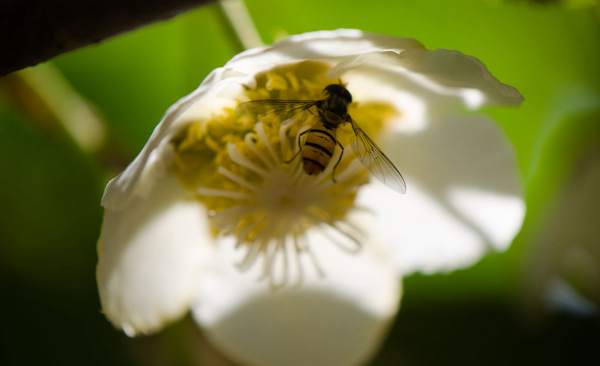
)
(240, 20)
(45, 88)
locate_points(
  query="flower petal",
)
(455, 70)
(438, 77)
(332, 46)
(463, 195)
(149, 258)
(340, 319)
(137, 179)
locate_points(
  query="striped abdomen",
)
(318, 149)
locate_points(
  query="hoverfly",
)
(318, 147)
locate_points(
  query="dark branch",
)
(33, 31)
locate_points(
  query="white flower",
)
(212, 178)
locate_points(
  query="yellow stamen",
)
(235, 163)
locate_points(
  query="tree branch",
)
(32, 31)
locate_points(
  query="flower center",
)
(246, 167)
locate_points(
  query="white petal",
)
(438, 78)
(149, 257)
(137, 179)
(454, 70)
(463, 195)
(338, 320)
(330, 46)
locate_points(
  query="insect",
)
(317, 148)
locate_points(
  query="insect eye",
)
(347, 96)
(340, 91)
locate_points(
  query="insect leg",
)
(299, 147)
(337, 162)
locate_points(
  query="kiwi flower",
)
(211, 216)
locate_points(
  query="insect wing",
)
(375, 160)
(285, 108)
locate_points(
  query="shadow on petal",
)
(463, 195)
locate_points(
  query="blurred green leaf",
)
(49, 195)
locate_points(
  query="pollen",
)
(243, 166)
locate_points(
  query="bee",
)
(317, 144)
